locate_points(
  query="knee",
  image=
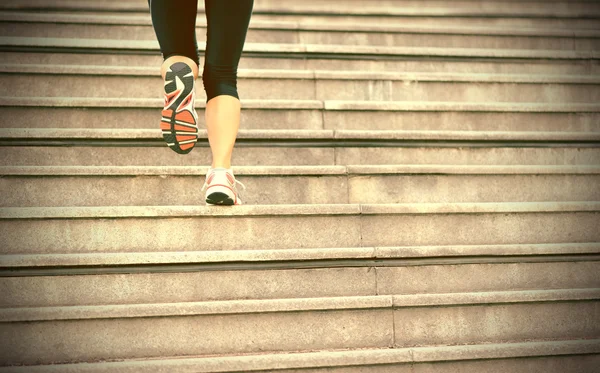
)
(220, 80)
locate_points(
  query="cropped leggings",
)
(227, 21)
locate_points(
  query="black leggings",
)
(174, 23)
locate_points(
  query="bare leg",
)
(222, 122)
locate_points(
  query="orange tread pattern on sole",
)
(186, 146)
(184, 128)
(185, 116)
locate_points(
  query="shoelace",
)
(236, 182)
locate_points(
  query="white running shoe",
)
(220, 186)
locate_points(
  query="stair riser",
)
(312, 119)
(33, 85)
(163, 156)
(186, 287)
(290, 63)
(193, 335)
(476, 229)
(472, 188)
(100, 190)
(450, 21)
(345, 36)
(421, 326)
(540, 363)
(81, 290)
(460, 121)
(96, 339)
(342, 8)
(490, 19)
(396, 6)
(274, 156)
(265, 232)
(558, 364)
(484, 156)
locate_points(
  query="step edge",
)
(312, 74)
(135, 134)
(325, 105)
(58, 313)
(257, 256)
(283, 171)
(330, 49)
(347, 11)
(298, 210)
(332, 358)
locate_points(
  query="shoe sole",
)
(179, 127)
(219, 198)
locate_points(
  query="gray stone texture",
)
(186, 286)
(465, 87)
(443, 229)
(71, 341)
(178, 234)
(421, 326)
(383, 64)
(98, 190)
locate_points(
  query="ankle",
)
(221, 165)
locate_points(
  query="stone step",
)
(141, 113)
(299, 137)
(571, 356)
(139, 27)
(89, 333)
(268, 155)
(50, 280)
(446, 20)
(414, 63)
(58, 186)
(558, 22)
(500, 14)
(571, 9)
(97, 147)
(129, 82)
(51, 230)
(79, 45)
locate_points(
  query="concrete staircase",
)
(422, 193)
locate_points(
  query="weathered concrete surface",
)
(35, 343)
(421, 326)
(383, 64)
(186, 286)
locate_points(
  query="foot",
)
(220, 187)
(179, 122)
